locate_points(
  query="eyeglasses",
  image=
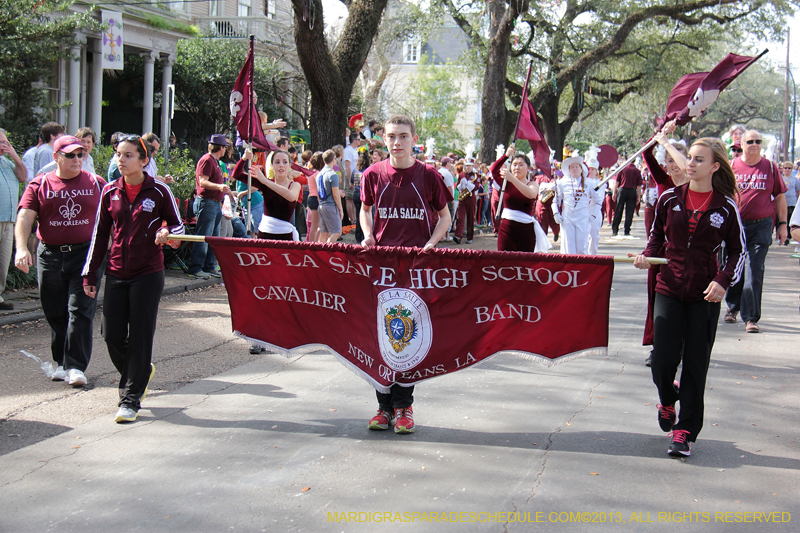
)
(753, 141)
(73, 155)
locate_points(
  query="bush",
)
(17, 279)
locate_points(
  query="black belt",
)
(67, 247)
(748, 222)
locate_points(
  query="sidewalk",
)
(28, 306)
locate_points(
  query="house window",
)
(269, 9)
(245, 8)
(214, 8)
(411, 52)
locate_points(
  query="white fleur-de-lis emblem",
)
(236, 99)
(70, 209)
(701, 101)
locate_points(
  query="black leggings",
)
(690, 327)
(130, 310)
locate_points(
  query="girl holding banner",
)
(691, 285)
(131, 212)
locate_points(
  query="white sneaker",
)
(76, 378)
(59, 375)
(125, 414)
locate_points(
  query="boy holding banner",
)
(410, 201)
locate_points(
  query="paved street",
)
(227, 441)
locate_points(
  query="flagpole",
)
(630, 160)
(617, 258)
(250, 132)
(514, 140)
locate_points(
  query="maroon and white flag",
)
(396, 315)
(245, 114)
(243, 109)
(694, 92)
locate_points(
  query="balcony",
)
(241, 28)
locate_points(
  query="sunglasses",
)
(737, 150)
(753, 141)
(73, 155)
(133, 139)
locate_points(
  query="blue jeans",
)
(745, 296)
(209, 216)
(69, 312)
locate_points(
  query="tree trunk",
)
(331, 77)
(494, 129)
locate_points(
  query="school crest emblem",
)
(404, 327)
(148, 205)
(716, 220)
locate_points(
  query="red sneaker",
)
(380, 420)
(404, 420)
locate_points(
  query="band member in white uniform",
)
(596, 199)
(571, 205)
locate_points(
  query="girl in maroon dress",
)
(517, 226)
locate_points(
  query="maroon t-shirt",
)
(407, 202)
(758, 184)
(208, 166)
(629, 178)
(66, 209)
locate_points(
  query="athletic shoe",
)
(215, 274)
(6, 306)
(730, 316)
(666, 417)
(555, 238)
(680, 445)
(199, 275)
(457, 240)
(59, 375)
(76, 378)
(125, 414)
(152, 373)
(380, 420)
(255, 350)
(751, 327)
(649, 360)
(469, 241)
(404, 420)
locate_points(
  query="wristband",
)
(782, 223)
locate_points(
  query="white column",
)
(84, 114)
(73, 112)
(166, 79)
(61, 114)
(96, 82)
(149, 80)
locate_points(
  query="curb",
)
(188, 285)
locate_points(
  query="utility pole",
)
(786, 103)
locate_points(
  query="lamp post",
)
(794, 108)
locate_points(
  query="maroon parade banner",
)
(397, 315)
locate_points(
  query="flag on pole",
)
(245, 114)
(694, 92)
(243, 109)
(528, 128)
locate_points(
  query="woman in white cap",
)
(596, 199)
(571, 206)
